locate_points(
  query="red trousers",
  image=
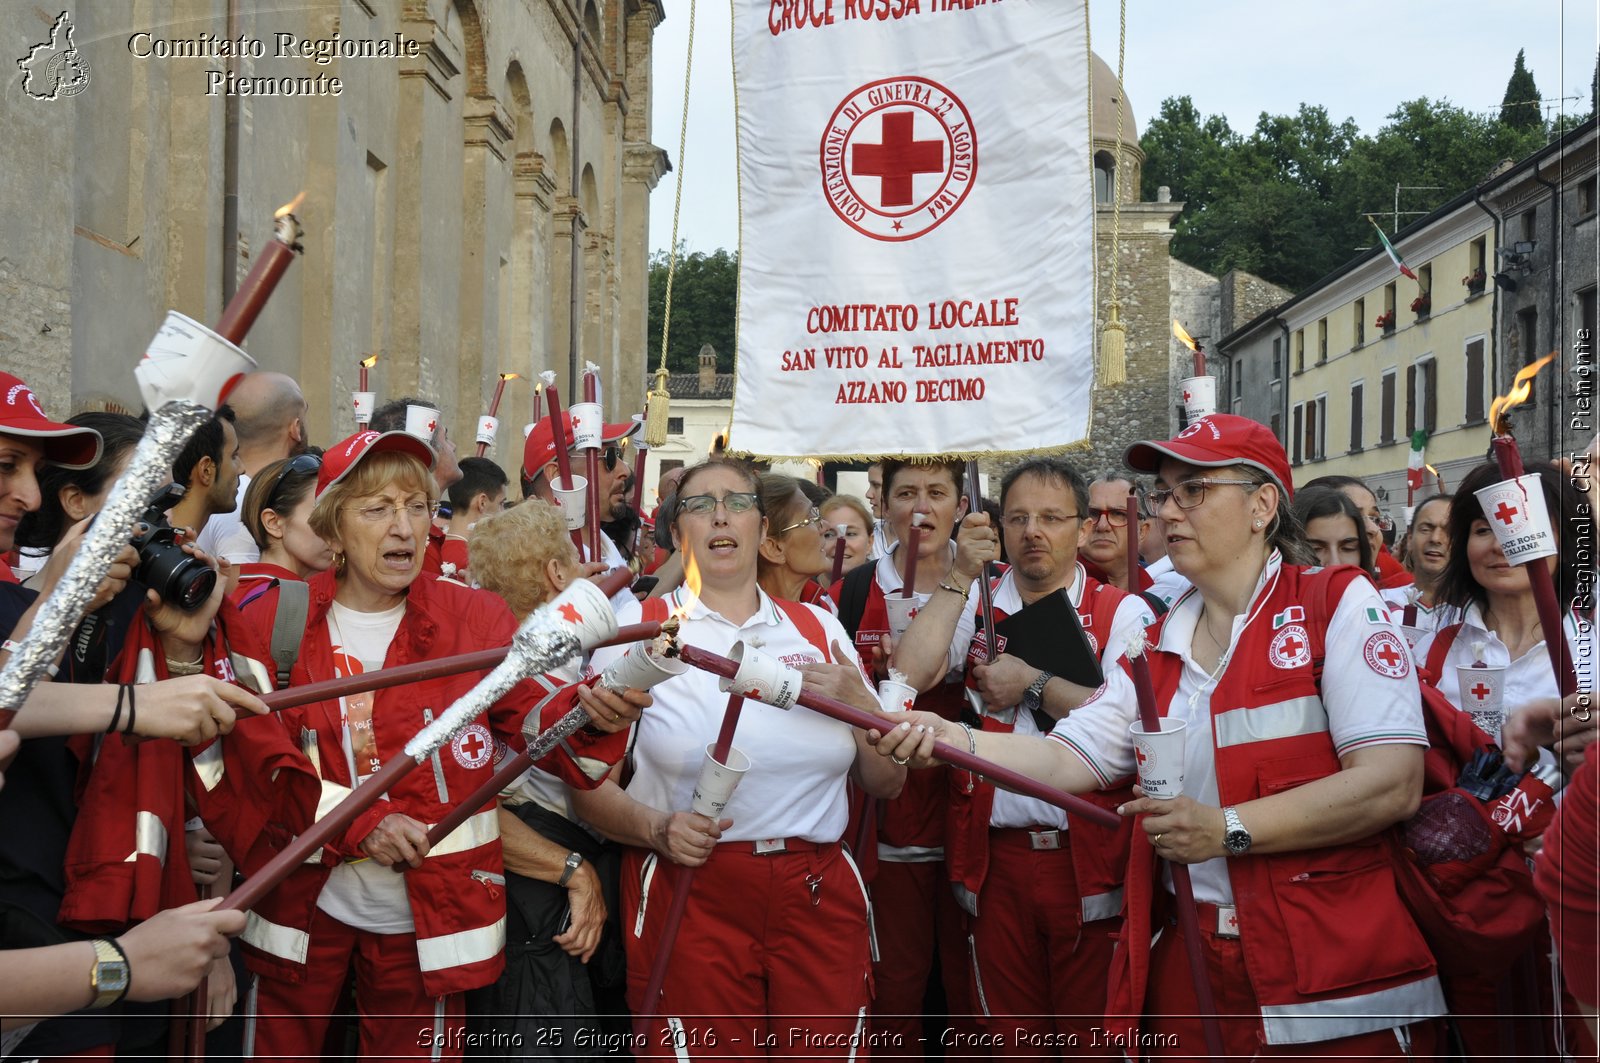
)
(1172, 1027)
(913, 909)
(286, 1020)
(1041, 974)
(771, 959)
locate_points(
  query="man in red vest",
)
(1044, 894)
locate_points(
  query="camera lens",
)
(176, 576)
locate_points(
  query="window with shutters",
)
(1277, 358)
(1317, 416)
(1322, 341)
(1300, 350)
(1386, 407)
(1421, 402)
(1476, 411)
(1357, 398)
(1297, 420)
(1360, 322)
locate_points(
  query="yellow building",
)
(1373, 356)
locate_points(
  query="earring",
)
(1259, 524)
(338, 562)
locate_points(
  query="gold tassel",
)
(657, 403)
(1113, 350)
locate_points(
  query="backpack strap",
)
(808, 625)
(289, 626)
(1317, 591)
(853, 592)
(1439, 650)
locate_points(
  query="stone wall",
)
(442, 195)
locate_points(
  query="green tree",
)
(1520, 107)
(705, 295)
(1594, 87)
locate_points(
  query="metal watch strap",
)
(1234, 832)
(109, 958)
(574, 861)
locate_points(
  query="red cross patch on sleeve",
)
(1386, 655)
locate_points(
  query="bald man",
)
(270, 418)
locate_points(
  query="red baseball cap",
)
(64, 444)
(540, 448)
(1214, 442)
(339, 459)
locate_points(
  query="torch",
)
(641, 451)
(568, 489)
(1516, 511)
(576, 620)
(1131, 583)
(985, 592)
(587, 430)
(1188, 912)
(187, 371)
(489, 423)
(1437, 479)
(364, 400)
(1199, 391)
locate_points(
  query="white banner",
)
(916, 242)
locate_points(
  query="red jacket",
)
(254, 576)
(1099, 854)
(456, 902)
(1329, 946)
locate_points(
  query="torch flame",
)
(1521, 388)
(291, 206)
(510, 376)
(1182, 335)
(691, 583)
(1431, 469)
(369, 362)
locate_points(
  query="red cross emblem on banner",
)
(898, 156)
(570, 613)
(1505, 513)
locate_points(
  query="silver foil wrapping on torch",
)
(151, 466)
(542, 643)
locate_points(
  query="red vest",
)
(1099, 854)
(1329, 946)
(915, 819)
(456, 900)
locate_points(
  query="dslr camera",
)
(177, 576)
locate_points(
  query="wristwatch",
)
(574, 861)
(1234, 837)
(1033, 697)
(110, 976)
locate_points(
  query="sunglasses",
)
(299, 464)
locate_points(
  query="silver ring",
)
(902, 761)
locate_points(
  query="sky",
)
(1357, 58)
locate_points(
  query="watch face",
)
(112, 977)
(1237, 841)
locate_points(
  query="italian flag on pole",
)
(1414, 464)
(1394, 256)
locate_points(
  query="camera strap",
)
(289, 626)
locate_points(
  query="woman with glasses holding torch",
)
(418, 939)
(1291, 774)
(772, 956)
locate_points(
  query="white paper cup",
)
(186, 360)
(902, 609)
(572, 500)
(487, 427)
(1160, 757)
(586, 425)
(1199, 397)
(714, 789)
(527, 429)
(586, 610)
(896, 696)
(761, 678)
(638, 669)
(1516, 511)
(363, 403)
(421, 421)
(1483, 697)
(1407, 515)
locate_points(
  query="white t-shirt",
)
(364, 893)
(1364, 707)
(883, 540)
(1167, 583)
(1527, 678)
(795, 787)
(225, 534)
(1132, 617)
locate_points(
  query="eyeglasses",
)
(611, 455)
(299, 464)
(1047, 521)
(1116, 518)
(384, 512)
(1190, 493)
(702, 505)
(814, 517)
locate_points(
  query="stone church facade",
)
(479, 206)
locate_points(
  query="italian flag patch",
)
(1295, 614)
(1376, 615)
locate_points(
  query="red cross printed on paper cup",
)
(1159, 757)
(187, 361)
(1516, 512)
(1483, 696)
(587, 426)
(421, 421)
(896, 696)
(762, 678)
(1199, 397)
(898, 156)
